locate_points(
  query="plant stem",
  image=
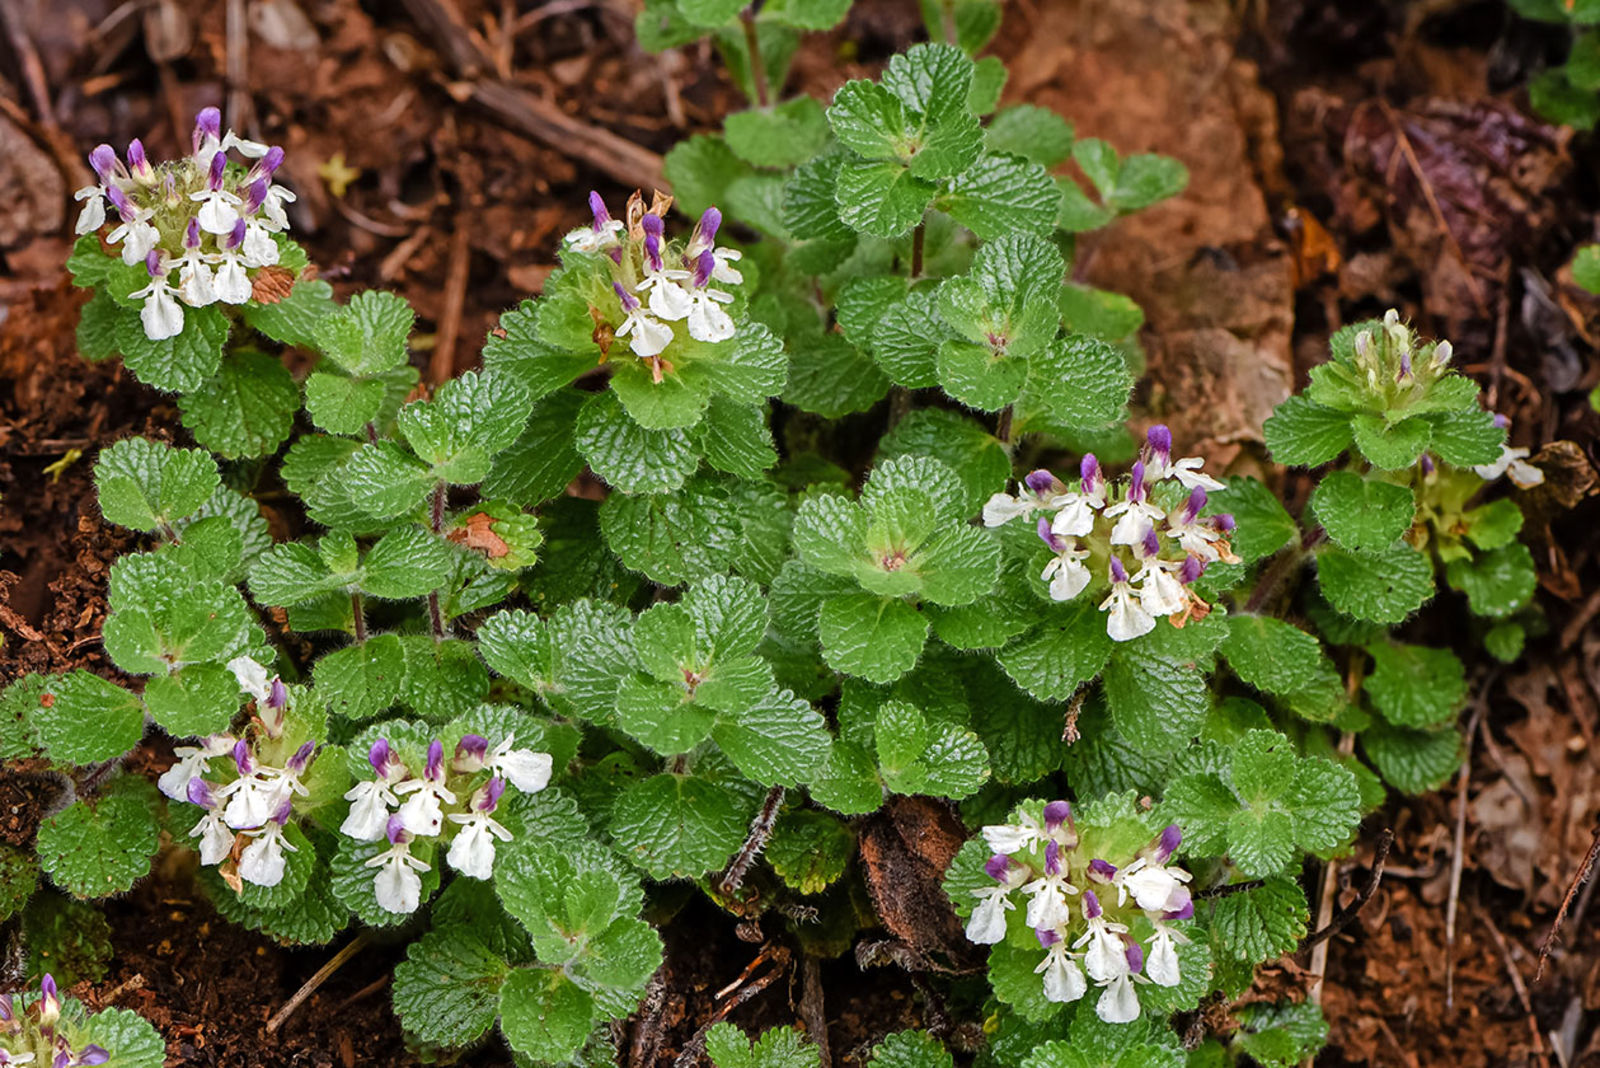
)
(752, 43)
(754, 843)
(1002, 427)
(917, 237)
(436, 524)
(1287, 563)
(947, 21)
(358, 612)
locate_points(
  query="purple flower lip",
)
(1223, 521)
(1101, 870)
(597, 207)
(1050, 537)
(472, 748)
(255, 195)
(47, 987)
(1047, 936)
(1118, 572)
(1152, 543)
(704, 264)
(191, 234)
(1158, 439)
(1136, 490)
(219, 164)
(1184, 913)
(93, 1055)
(1405, 366)
(652, 246)
(136, 158)
(1091, 905)
(277, 693)
(1052, 857)
(1193, 567)
(705, 230)
(119, 200)
(241, 757)
(1171, 838)
(235, 239)
(1427, 464)
(396, 830)
(652, 225)
(284, 811)
(199, 792)
(998, 867)
(207, 124)
(489, 796)
(7, 1013)
(104, 161)
(268, 164)
(1501, 421)
(378, 757)
(1040, 482)
(302, 756)
(1135, 958)
(1196, 502)
(1056, 813)
(630, 303)
(435, 769)
(1089, 473)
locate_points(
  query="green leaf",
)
(910, 1049)
(98, 324)
(247, 409)
(199, 700)
(809, 850)
(1414, 686)
(734, 438)
(1494, 524)
(1381, 587)
(1365, 514)
(442, 679)
(626, 455)
(1158, 703)
(882, 198)
(1077, 213)
(906, 340)
(294, 320)
(786, 135)
(1262, 923)
(831, 377)
(700, 170)
(976, 22)
(1558, 100)
(545, 1014)
(1264, 527)
(408, 562)
(679, 826)
(1078, 381)
(88, 720)
(144, 484)
(130, 1039)
(447, 990)
(467, 422)
(362, 680)
(1000, 194)
(1303, 433)
(1412, 761)
(1465, 438)
(1261, 842)
(542, 461)
(869, 119)
(367, 336)
(807, 15)
(99, 849)
(780, 1047)
(979, 377)
(1497, 582)
(1099, 313)
(1286, 662)
(385, 481)
(1036, 134)
(779, 740)
(877, 638)
(178, 364)
(1585, 268)
(516, 351)
(1390, 447)
(956, 441)
(1145, 179)
(1061, 654)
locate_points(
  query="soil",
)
(1345, 156)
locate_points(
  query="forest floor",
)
(1346, 156)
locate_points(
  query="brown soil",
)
(1344, 157)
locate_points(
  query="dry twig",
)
(321, 975)
(1548, 945)
(1348, 913)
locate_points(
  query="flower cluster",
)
(1113, 924)
(36, 1035)
(460, 797)
(245, 815)
(199, 224)
(655, 283)
(1147, 536)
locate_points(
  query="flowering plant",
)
(46, 1030)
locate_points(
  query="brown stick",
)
(1548, 945)
(28, 60)
(321, 975)
(1518, 985)
(1345, 915)
(626, 162)
(741, 990)
(812, 1010)
(442, 362)
(1458, 857)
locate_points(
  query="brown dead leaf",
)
(905, 849)
(271, 284)
(479, 536)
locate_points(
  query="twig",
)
(358, 612)
(28, 60)
(237, 70)
(754, 842)
(442, 362)
(365, 992)
(647, 1034)
(1345, 915)
(1516, 984)
(436, 524)
(918, 239)
(742, 990)
(1230, 889)
(1458, 856)
(1548, 945)
(1287, 563)
(812, 1008)
(321, 975)
(1002, 427)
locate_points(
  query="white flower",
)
(1152, 886)
(422, 812)
(1039, 490)
(253, 677)
(193, 761)
(1063, 979)
(1009, 838)
(604, 233)
(262, 861)
(272, 207)
(649, 336)
(1048, 908)
(258, 249)
(1512, 463)
(1160, 592)
(232, 283)
(1162, 963)
(161, 315)
(397, 885)
(1105, 958)
(216, 838)
(528, 771)
(197, 288)
(1158, 462)
(987, 925)
(1065, 571)
(1119, 1002)
(1127, 617)
(707, 321)
(247, 149)
(138, 239)
(472, 852)
(93, 215)
(369, 810)
(251, 801)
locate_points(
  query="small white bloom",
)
(247, 149)
(1511, 462)
(1105, 958)
(397, 885)
(1063, 979)
(1009, 838)
(1160, 592)
(1119, 1002)
(216, 838)
(253, 677)
(707, 321)
(988, 923)
(1153, 887)
(1066, 574)
(258, 249)
(649, 336)
(93, 215)
(1161, 964)
(193, 761)
(162, 316)
(232, 284)
(1127, 618)
(251, 801)
(528, 771)
(369, 810)
(138, 238)
(262, 861)
(472, 851)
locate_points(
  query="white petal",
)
(1130, 528)
(1162, 963)
(1063, 979)
(649, 336)
(1002, 508)
(258, 248)
(253, 677)
(197, 290)
(1127, 619)
(262, 861)
(708, 322)
(668, 300)
(217, 216)
(369, 815)
(1119, 1003)
(1070, 579)
(526, 770)
(472, 852)
(421, 814)
(232, 284)
(1008, 838)
(988, 923)
(161, 315)
(93, 215)
(216, 840)
(397, 887)
(250, 805)
(1075, 520)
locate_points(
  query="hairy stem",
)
(1002, 427)
(918, 236)
(752, 43)
(436, 524)
(1287, 563)
(947, 21)
(754, 843)
(358, 613)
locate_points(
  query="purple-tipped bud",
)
(597, 207)
(1193, 567)
(120, 201)
(219, 164)
(1102, 871)
(378, 756)
(1047, 937)
(652, 249)
(630, 303)
(137, 162)
(50, 1006)
(616, 254)
(93, 1055)
(1158, 440)
(435, 768)
(255, 195)
(104, 161)
(1427, 465)
(191, 234)
(1091, 905)
(1171, 838)
(1056, 813)
(1048, 536)
(1223, 521)
(1405, 366)
(200, 793)
(489, 797)
(277, 693)
(397, 830)
(1052, 857)
(241, 757)
(1040, 482)
(705, 231)
(998, 867)
(1089, 473)
(1136, 488)
(1118, 572)
(1135, 958)
(1193, 506)
(1184, 913)
(704, 264)
(284, 811)
(1501, 421)
(470, 751)
(235, 239)
(268, 164)
(207, 125)
(652, 226)
(1152, 543)
(302, 757)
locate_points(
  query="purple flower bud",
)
(998, 867)
(1047, 936)
(435, 769)
(1427, 465)
(191, 234)
(1171, 838)
(597, 206)
(47, 988)
(378, 756)
(616, 254)
(1152, 543)
(277, 693)
(652, 248)
(1091, 905)
(470, 752)
(1193, 567)
(489, 796)
(267, 165)
(1184, 913)
(1223, 521)
(1048, 536)
(235, 239)
(1040, 482)
(1158, 442)
(705, 231)
(1136, 490)
(1501, 421)
(255, 195)
(1405, 366)
(652, 225)
(397, 830)
(302, 756)
(630, 303)
(1118, 572)
(1196, 502)
(704, 264)
(200, 793)
(1052, 857)
(63, 1059)
(285, 810)
(1089, 472)
(219, 164)
(1135, 958)
(93, 1055)
(136, 158)
(241, 757)
(1102, 871)
(119, 200)
(207, 126)
(104, 161)
(1056, 813)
